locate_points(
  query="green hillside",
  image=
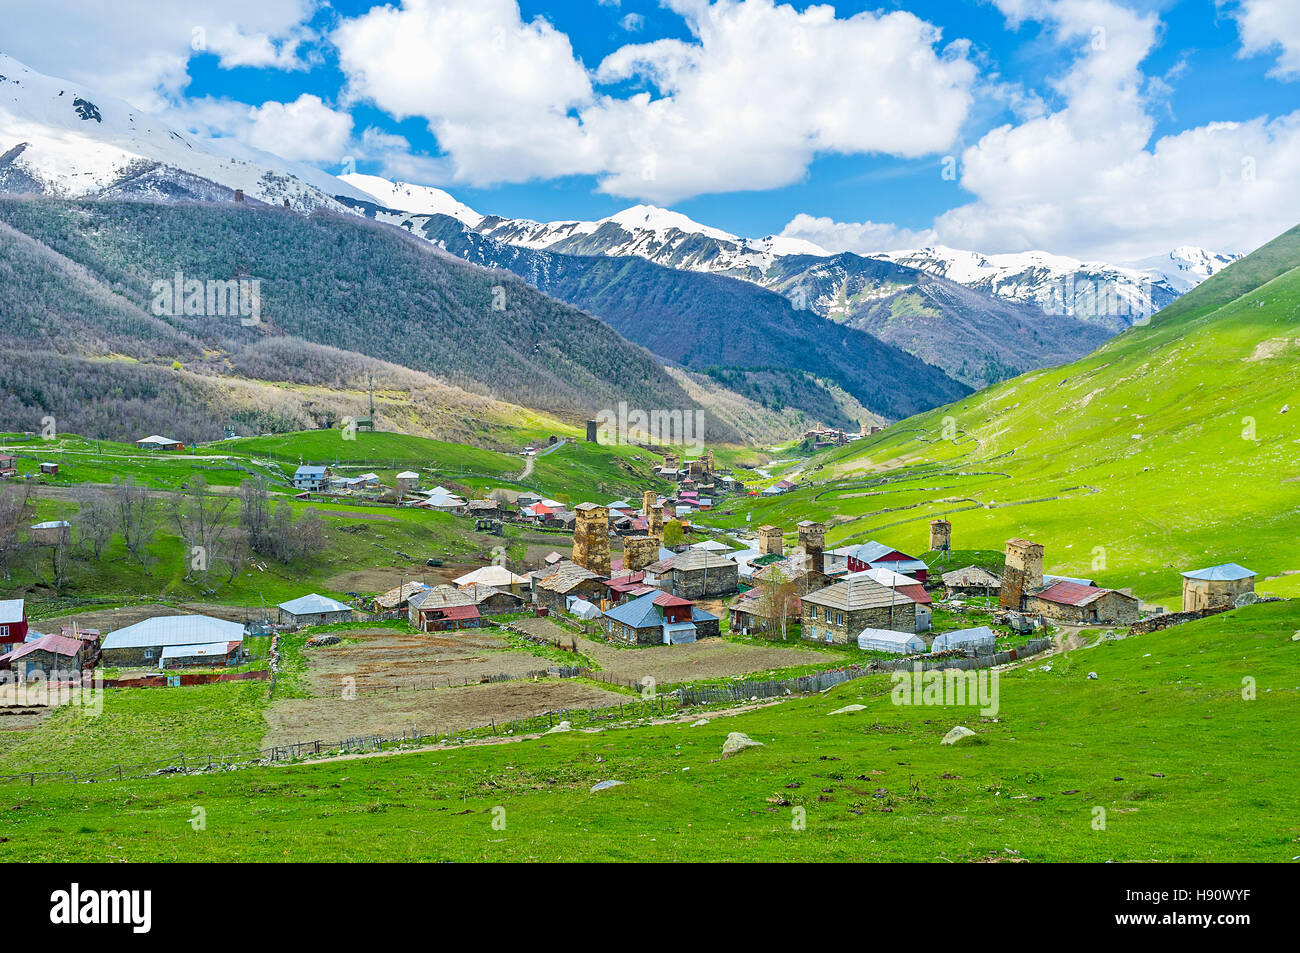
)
(1122, 767)
(1171, 447)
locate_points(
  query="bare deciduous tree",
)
(135, 519)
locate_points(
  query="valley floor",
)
(1179, 749)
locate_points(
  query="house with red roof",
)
(50, 656)
(13, 622)
(1078, 604)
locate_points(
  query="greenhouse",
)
(979, 637)
(887, 640)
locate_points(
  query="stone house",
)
(50, 656)
(314, 609)
(658, 618)
(695, 574)
(567, 579)
(1077, 604)
(839, 612)
(143, 643)
(1216, 586)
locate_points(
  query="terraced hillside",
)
(1173, 446)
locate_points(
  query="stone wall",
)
(940, 535)
(639, 552)
(845, 626)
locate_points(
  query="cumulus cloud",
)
(1267, 26)
(1087, 179)
(306, 129)
(864, 238)
(509, 101)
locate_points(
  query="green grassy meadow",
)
(1184, 767)
(1172, 447)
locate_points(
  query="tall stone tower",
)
(639, 552)
(812, 539)
(1023, 572)
(940, 535)
(654, 514)
(593, 431)
(708, 461)
(591, 538)
(770, 541)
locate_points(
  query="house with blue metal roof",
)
(1216, 586)
(311, 478)
(659, 618)
(314, 609)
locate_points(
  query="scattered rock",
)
(738, 741)
(319, 640)
(604, 786)
(1092, 674)
(849, 708)
(700, 723)
(958, 735)
(562, 726)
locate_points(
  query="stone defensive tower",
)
(812, 539)
(1023, 572)
(654, 514)
(940, 536)
(639, 552)
(770, 541)
(591, 538)
(593, 429)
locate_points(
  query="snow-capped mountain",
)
(1186, 266)
(1109, 295)
(60, 138)
(417, 199)
(1100, 293)
(659, 235)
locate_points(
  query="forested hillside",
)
(80, 276)
(709, 321)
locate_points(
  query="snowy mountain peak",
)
(417, 199)
(60, 138)
(661, 221)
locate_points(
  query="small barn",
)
(491, 600)
(443, 608)
(314, 609)
(159, 442)
(1076, 604)
(49, 469)
(143, 643)
(50, 656)
(1216, 586)
(51, 533)
(568, 580)
(972, 581)
(8, 465)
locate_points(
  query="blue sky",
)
(1087, 127)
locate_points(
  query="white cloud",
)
(632, 22)
(303, 130)
(1087, 179)
(862, 237)
(1269, 25)
(508, 101)
(138, 50)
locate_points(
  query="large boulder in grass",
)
(960, 734)
(737, 742)
(848, 709)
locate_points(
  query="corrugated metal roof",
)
(199, 649)
(47, 643)
(441, 597)
(1070, 593)
(309, 471)
(11, 610)
(313, 603)
(1226, 571)
(174, 630)
(859, 593)
(639, 613)
(489, 576)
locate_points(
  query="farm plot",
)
(670, 664)
(431, 710)
(406, 679)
